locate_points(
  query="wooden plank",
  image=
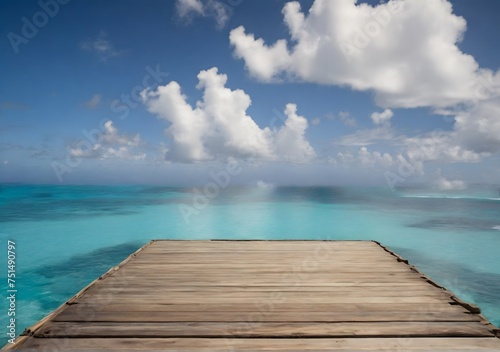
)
(303, 290)
(232, 246)
(257, 306)
(260, 316)
(266, 247)
(286, 296)
(327, 276)
(245, 329)
(420, 286)
(250, 282)
(158, 269)
(268, 344)
(165, 243)
(243, 300)
(312, 265)
(267, 280)
(279, 284)
(245, 256)
(217, 262)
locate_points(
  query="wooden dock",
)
(263, 295)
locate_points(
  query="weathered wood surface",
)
(262, 295)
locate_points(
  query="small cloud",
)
(101, 47)
(188, 9)
(264, 185)
(218, 11)
(346, 119)
(316, 121)
(111, 144)
(363, 138)
(382, 118)
(330, 116)
(93, 102)
(5, 162)
(449, 185)
(364, 158)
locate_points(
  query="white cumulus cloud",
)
(290, 142)
(404, 50)
(219, 127)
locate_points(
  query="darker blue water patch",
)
(323, 195)
(69, 276)
(291, 194)
(483, 287)
(334, 195)
(455, 223)
(230, 195)
(95, 262)
(38, 203)
(43, 195)
(163, 190)
(479, 213)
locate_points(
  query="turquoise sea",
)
(66, 236)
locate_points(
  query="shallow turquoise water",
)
(66, 236)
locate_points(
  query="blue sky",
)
(418, 69)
